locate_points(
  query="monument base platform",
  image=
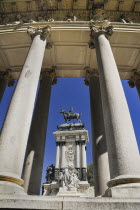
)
(67, 203)
(65, 192)
(55, 189)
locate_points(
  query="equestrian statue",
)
(71, 115)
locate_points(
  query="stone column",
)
(57, 162)
(37, 136)
(77, 154)
(83, 161)
(63, 154)
(121, 142)
(15, 131)
(100, 154)
(135, 80)
(5, 79)
(27, 170)
(77, 159)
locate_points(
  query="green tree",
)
(90, 172)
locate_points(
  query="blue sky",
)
(71, 92)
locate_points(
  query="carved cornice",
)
(32, 16)
(6, 75)
(135, 76)
(50, 72)
(43, 32)
(90, 73)
(97, 28)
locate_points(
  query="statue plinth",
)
(71, 126)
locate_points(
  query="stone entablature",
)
(15, 41)
(71, 135)
(26, 11)
(63, 15)
(31, 5)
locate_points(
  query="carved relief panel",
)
(70, 154)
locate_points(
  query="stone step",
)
(67, 203)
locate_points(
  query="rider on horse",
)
(71, 115)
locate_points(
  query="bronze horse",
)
(69, 116)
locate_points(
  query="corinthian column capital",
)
(50, 72)
(6, 75)
(90, 73)
(97, 28)
(133, 79)
(43, 32)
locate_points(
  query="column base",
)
(131, 190)
(123, 179)
(11, 188)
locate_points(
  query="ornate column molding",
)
(63, 143)
(77, 142)
(6, 75)
(44, 34)
(50, 72)
(58, 143)
(135, 76)
(90, 73)
(83, 142)
(97, 28)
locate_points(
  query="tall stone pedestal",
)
(70, 176)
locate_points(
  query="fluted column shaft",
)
(57, 163)
(121, 141)
(77, 154)
(83, 150)
(100, 154)
(16, 127)
(63, 154)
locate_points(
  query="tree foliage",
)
(90, 173)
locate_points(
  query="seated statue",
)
(68, 178)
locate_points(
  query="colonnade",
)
(115, 150)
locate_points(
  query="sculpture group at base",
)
(68, 178)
